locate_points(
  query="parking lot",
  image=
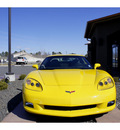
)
(16, 69)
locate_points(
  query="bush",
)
(3, 85)
(5, 80)
(22, 76)
(117, 79)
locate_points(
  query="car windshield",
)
(65, 62)
(20, 57)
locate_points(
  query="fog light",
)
(29, 104)
(111, 103)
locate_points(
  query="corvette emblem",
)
(70, 92)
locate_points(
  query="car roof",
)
(64, 55)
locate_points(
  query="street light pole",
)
(9, 40)
(9, 76)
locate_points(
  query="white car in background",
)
(21, 60)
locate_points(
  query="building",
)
(3, 59)
(104, 46)
(30, 57)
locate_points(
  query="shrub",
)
(3, 85)
(5, 80)
(22, 76)
(117, 79)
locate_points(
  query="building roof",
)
(92, 24)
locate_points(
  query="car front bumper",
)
(37, 103)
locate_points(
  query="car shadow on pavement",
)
(14, 102)
(23, 115)
(53, 119)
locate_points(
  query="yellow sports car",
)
(68, 86)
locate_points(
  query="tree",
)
(59, 53)
(53, 53)
(38, 53)
(86, 55)
(3, 53)
(15, 52)
(6, 53)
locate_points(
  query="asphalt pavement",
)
(16, 69)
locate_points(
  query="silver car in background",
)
(21, 60)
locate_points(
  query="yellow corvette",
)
(68, 86)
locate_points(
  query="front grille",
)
(62, 108)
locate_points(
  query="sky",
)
(48, 29)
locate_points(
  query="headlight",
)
(105, 83)
(33, 85)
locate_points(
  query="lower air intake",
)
(69, 108)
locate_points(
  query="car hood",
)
(72, 77)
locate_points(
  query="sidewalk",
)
(111, 117)
(18, 115)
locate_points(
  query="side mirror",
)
(35, 66)
(97, 65)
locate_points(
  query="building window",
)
(115, 56)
